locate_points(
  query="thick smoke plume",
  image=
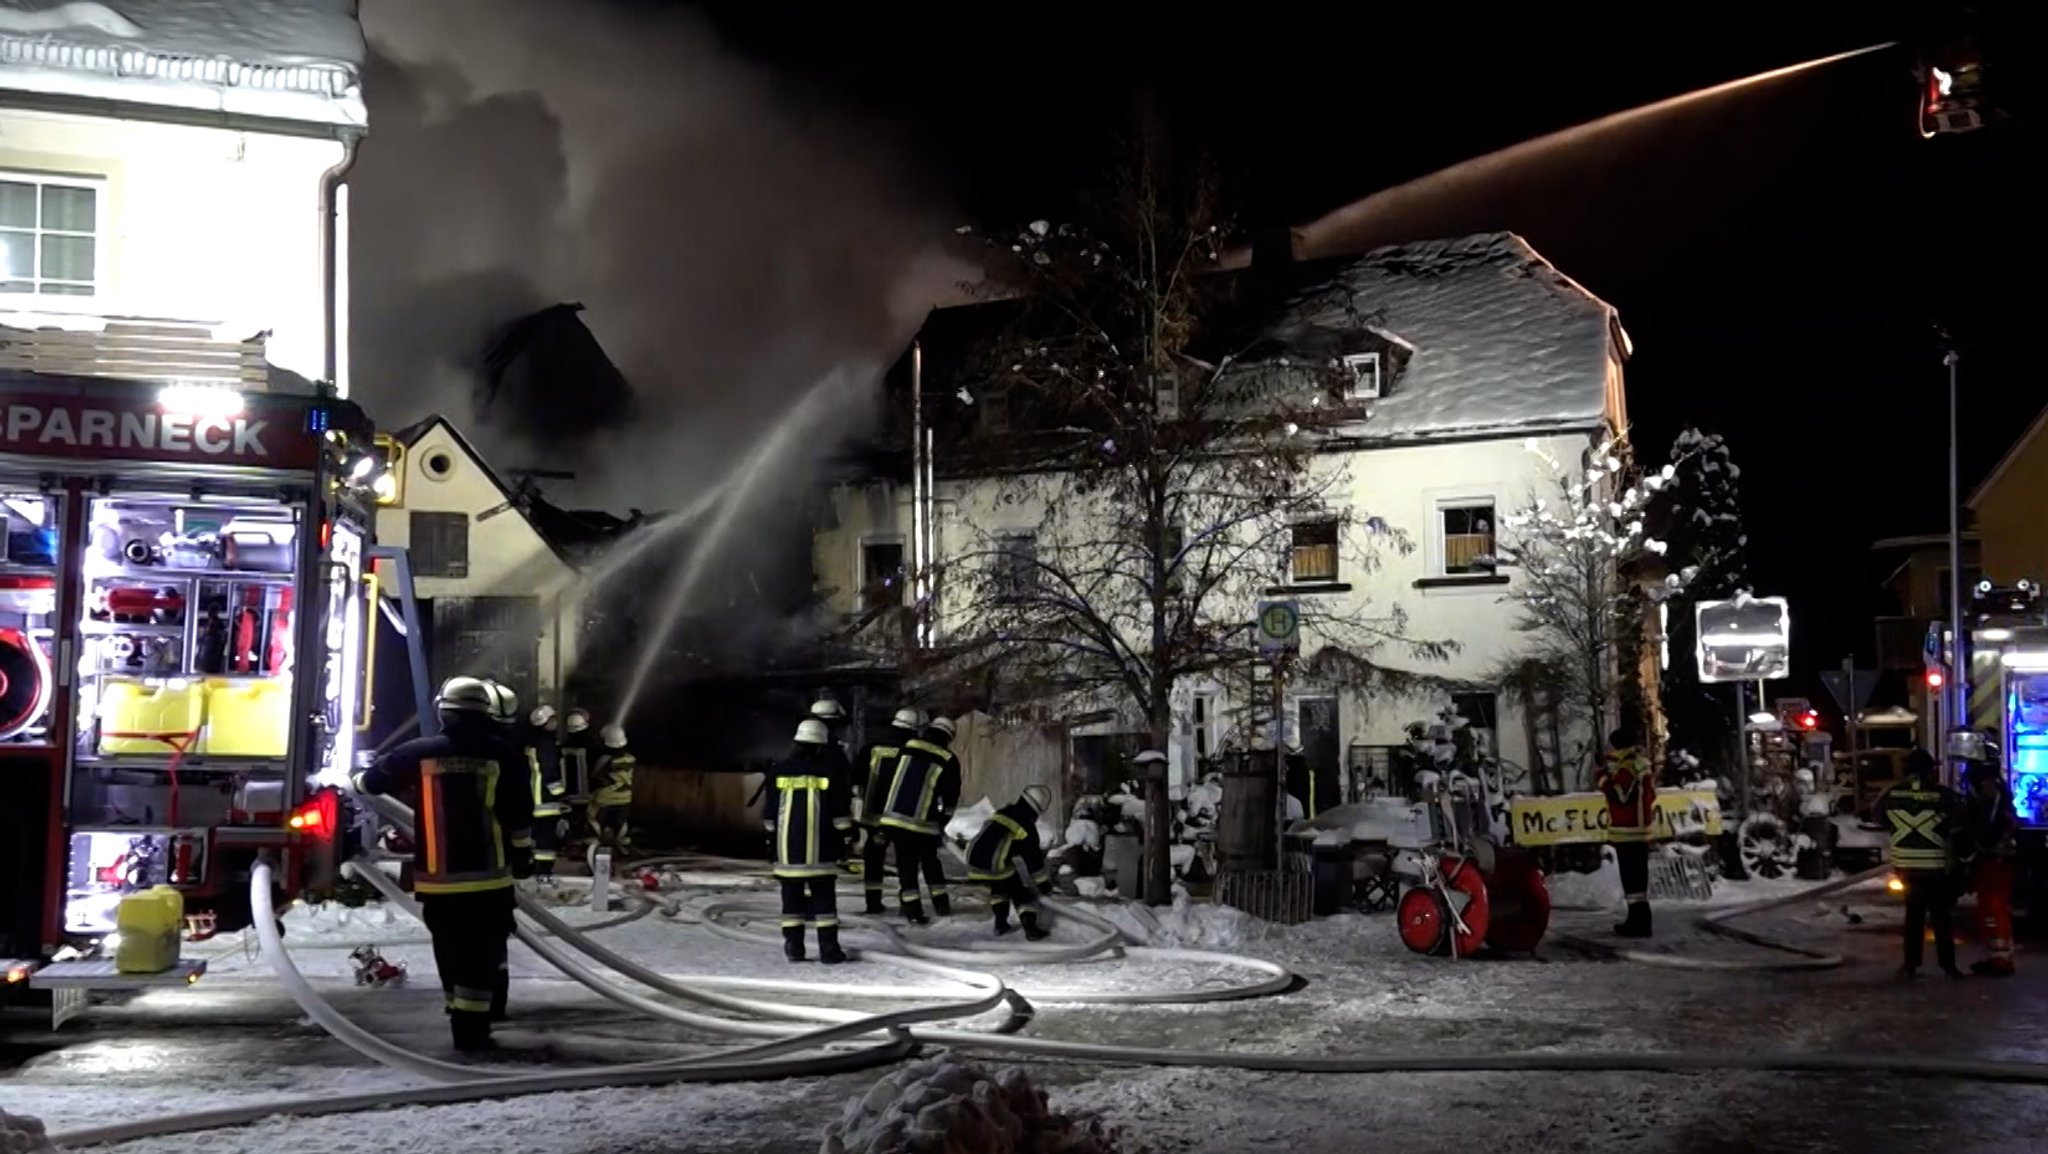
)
(731, 243)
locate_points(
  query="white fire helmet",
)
(613, 736)
(909, 719)
(943, 725)
(576, 721)
(811, 731)
(465, 695)
(828, 709)
(1037, 797)
(542, 717)
(1148, 757)
(504, 703)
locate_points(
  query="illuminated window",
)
(1467, 537)
(49, 236)
(1315, 551)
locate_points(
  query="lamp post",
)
(1959, 641)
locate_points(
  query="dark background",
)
(1781, 254)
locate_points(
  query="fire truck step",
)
(101, 975)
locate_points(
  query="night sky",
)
(1781, 256)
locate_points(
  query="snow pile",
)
(1388, 819)
(949, 1105)
(20, 1135)
(1599, 890)
(333, 922)
(1183, 925)
(1084, 833)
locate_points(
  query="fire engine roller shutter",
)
(494, 637)
(24, 844)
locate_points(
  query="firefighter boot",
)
(942, 905)
(1032, 930)
(501, 993)
(913, 912)
(875, 906)
(793, 943)
(1003, 926)
(828, 946)
(1637, 924)
(472, 1032)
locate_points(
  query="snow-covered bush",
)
(23, 1135)
(948, 1105)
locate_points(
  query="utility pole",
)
(1959, 641)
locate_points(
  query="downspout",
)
(921, 576)
(333, 263)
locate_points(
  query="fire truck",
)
(184, 586)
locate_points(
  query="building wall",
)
(2012, 522)
(1406, 487)
(194, 224)
(507, 557)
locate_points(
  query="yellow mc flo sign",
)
(1577, 818)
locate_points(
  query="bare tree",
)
(1162, 477)
(1587, 571)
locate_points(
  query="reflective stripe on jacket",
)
(465, 820)
(1920, 816)
(1010, 836)
(879, 767)
(808, 812)
(923, 789)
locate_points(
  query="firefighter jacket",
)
(611, 780)
(923, 789)
(1316, 788)
(808, 809)
(1011, 836)
(878, 769)
(544, 770)
(1630, 787)
(1989, 824)
(474, 814)
(1922, 816)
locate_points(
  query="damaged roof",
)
(544, 526)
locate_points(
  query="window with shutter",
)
(439, 544)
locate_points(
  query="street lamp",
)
(1959, 644)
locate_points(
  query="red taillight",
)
(317, 818)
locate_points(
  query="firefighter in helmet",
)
(1922, 815)
(919, 800)
(611, 794)
(1630, 788)
(878, 768)
(474, 838)
(1989, 825)
(807, 814)
(550, 794)
(1006, 853)
(828, 710)
(505, 711)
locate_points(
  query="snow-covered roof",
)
(297, 60)
(1503, 342)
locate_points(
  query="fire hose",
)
(771, 1060)
(1716, 922)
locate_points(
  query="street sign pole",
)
(1279, 632)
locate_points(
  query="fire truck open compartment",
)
(28, 610)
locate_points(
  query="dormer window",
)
(1362, 377)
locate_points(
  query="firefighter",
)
(550, 794)
(1630, 787)
(1004, 852)
(574, 753)
(919, 800)
(474, 838)
(808, 812)
(611, 795)
(1989, 825)
(505, 711)
(1314, 787)
(878, 766)
(828, 710)
(1921, 813)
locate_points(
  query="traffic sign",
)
(1851, 688)
(1279, 627)
(1746, 639)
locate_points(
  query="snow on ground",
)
(945, 1104)
(236, 1038)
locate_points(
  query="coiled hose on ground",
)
(767, 1060)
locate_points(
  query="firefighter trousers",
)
(1011, 893)
(874, 864)
(918, 853)
(547, 842)
(1632, 859)
(609, 826)
(470, 932)
(1994, 876)
(1930, 897)
(812, 902)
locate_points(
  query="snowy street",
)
(236, 1037)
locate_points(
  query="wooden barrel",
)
(1248, 824)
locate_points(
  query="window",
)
(438, 544)
(1015, 566)
(49, 236)
(1481, 712)
(1362, 377)
(1467, 537)
(1204, 721)
(1315, 551)
(1166, 391)
(881, 575)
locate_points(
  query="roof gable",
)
(410, 437)
(2012, 457)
